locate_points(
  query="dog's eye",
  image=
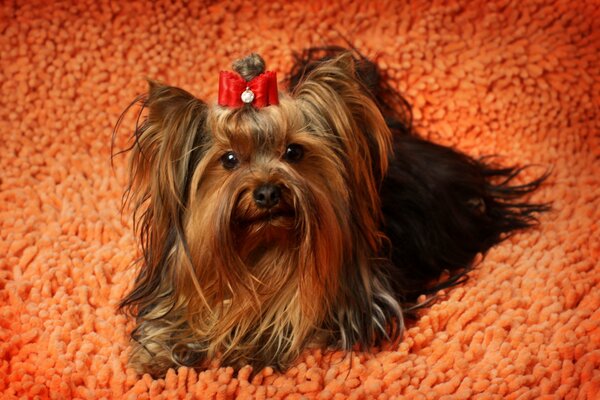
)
(293, 153)
(229, 160)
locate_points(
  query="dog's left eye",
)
(293, 153)
(229, 160)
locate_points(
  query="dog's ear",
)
(336, 104)
(167, 147)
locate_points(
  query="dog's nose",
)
(267, 195)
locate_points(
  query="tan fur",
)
(219, 280)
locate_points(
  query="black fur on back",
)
(441, 207)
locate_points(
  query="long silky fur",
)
(369, 217)
(440, 207)
(166, 148)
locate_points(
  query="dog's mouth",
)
(258, 231)
(272, 217)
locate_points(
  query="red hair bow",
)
(261, 91)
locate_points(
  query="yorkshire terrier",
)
(273, 221)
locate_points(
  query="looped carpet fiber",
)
(516, 78)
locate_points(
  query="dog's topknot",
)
(250, 66)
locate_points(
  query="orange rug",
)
(516, 78)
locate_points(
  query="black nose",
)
(267, 195)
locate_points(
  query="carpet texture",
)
(515, 78)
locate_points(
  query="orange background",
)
(516, 78)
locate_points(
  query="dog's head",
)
(252, 217)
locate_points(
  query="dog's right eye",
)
(229, 160)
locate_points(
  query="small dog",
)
(273, 221)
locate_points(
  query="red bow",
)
(261, 91)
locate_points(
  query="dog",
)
(274, 220)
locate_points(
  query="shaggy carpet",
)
(515, 78)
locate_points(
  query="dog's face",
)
(265, 198)
(264, 179)
(256, 223)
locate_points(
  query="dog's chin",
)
(256, 235)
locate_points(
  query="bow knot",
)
(261, 91)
